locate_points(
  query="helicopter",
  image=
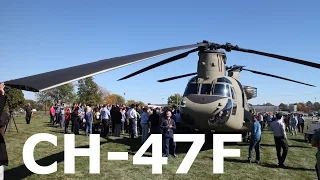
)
(212, 100)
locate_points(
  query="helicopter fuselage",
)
(215, 104)
(214, 101)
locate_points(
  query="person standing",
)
(300, 123)
(67, 120)
(105, 121)
(280, 138)
(3, 155)
(315, 142)
(62, 116)
(123, 119)
(178, 120)
(154, 120)
(52, 114)
(293, 124)
(89, 120)
(168, 125)
(255, 141)
(28, 113)
(132, 115)
(117, 116)
(144, 125)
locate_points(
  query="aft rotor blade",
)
(48, 80)
(177, 77)
(228, 46)
(271, 75)
(163, 62)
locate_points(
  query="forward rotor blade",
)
(163, 62)
(48, 80)
(177, 77)
(270, 75)
(285, 58)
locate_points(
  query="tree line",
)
(86, 91)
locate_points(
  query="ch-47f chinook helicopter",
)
(212, 100)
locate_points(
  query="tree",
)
(64, 93)
(309, 104)
(283, 107)
(104, 92)
(89, 92)
(115, 99)
(301, 107)
(316, 106)
(130, 102)
(33, 104)
(267, 104)
(174, 100)
(15, 98)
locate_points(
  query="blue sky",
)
(38, 36)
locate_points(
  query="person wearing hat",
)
(4, 121)
(280, 138)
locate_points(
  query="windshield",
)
(221, 89)
(206, 89)
(191, 89)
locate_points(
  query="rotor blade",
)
(270, 75)
(48, 80)
(177, 77)
(285, 58)
(163, 62)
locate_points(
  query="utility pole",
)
(124, 96)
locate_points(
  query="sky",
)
(39, 36)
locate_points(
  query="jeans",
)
(167, 142)
(135, 127)
(117, 129)
(66, 126)
(318, 164)
(1, 172)
(145, 129)
(122, 125)
(281, 143)
(256, 145)
(89, 127)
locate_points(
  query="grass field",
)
(300, 160)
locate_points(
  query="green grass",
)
(300, 159)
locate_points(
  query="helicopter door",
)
(234, 101)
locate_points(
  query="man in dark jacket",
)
(3, 123)
(168, 126)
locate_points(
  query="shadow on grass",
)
(299, 140)
(268, 165)
(135, 144)
(266, 145)
(22, 172)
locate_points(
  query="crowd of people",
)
(114, 120)
(280, 125)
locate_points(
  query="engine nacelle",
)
(251, 92)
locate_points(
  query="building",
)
(263, 108)
(293, 108)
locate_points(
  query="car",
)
(314, 125)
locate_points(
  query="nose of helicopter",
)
(204, 109)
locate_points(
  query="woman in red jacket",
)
(67, 119)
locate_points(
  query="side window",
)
(192, 88)
(233, 93)
(234, 109)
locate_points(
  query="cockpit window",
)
(223, 79)
(221, 89)
(191, 89)
(233, 93)
(206, 88)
